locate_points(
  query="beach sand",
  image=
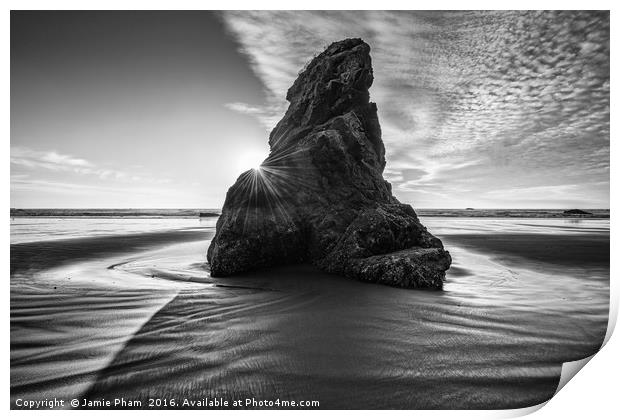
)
(138, 317)
(572, 251)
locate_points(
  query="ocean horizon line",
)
(215, 212)
(219, 208)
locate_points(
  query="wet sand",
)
(46, 254)
(143, 319)
(569, 250)
(71, 311)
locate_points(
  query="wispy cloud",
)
(19, 183)
(471, 100)
(267, 115)
(54, 161)
(46, 159)
(561, 193)
(36, 160)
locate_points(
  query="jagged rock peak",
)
(338, 78)
(333, 83)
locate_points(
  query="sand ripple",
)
(150, 322)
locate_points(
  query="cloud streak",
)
(33, 161)
(47, 159)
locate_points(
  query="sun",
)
(250, 159)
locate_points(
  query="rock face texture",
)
(320, 196)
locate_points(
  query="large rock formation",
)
(320, 196)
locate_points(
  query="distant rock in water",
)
(576, 212)
(320, 196)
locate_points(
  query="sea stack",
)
(576, 212)
(320, 197)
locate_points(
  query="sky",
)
(165, 109)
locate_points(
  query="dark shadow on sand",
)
(48, 254)
(296, 333)
(579, 251)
